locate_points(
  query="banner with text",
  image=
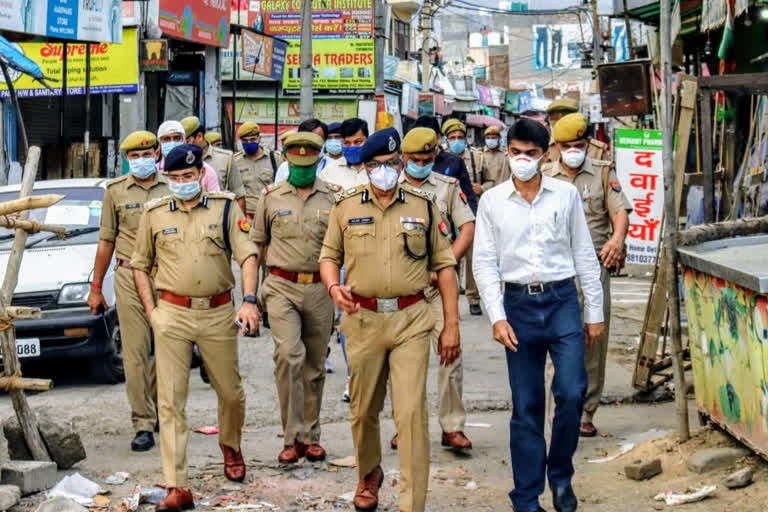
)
(339, 66)
(639, 169)
(114, 68)
(263, 55)
(202, 22)
(331, 19)
(80, 20)
(262, 110)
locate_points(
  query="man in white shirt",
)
(348, 172)
(536, 256)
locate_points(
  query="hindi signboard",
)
(78, 20)
(639, 169)
(202, 22)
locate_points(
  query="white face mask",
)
(524, 167)
(573, 157)
(384, 177)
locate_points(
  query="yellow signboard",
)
(339, 66)
(114, 68)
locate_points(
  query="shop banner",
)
(114, 68)
(79, 20)
(340, 66)
(331, 19)
(639, 169)
(263, 55)
(262, 110)
(205, 22)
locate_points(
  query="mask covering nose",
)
(574, 157)
(524, 167)
(333, 146)
(251, 148)
(492, 143)
(384, 177)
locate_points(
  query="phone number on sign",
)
(641, 258)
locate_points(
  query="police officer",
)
(121, 210)
(257, 165)
(494, 168)
(556, 110)
(220, 159)
(290, 223)
(191, 237)
(391, 239)
(607, 210)
(214, 139)
(419, 151)
(456, 137)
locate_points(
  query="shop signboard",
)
(639, 169)
(339, 66)
(262, 110)
(114, 68)
(263, 55)
(154, 54)
(202, 22)
(91, 21)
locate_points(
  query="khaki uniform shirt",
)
(121, 211)
(188, 245)
(450, 200)
(292, 227)
(221, 160)
(494, 168)
(381, 247)
(599, 208)
(256, 174)
(474, 172)
(596, 151)
(341, 174)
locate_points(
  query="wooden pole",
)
(705, 121)
(26, 417)
(725, 229)
(23, 383)
(628, 27)
(671, 220)
(30, 226)
(29, 203)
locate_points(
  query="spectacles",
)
(375, 163)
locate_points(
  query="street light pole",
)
(306, 108)
(426, 28)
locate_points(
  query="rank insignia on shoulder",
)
(616, 186)
(443, 228)
(243, 225)
(463, 197)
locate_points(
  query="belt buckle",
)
(387, 305)
(305, 277)
(535, 288)
(200, 303)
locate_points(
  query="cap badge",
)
(190, 157)
(392, 143)
(302, 151)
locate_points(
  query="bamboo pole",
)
(29, 203)
(23, 312)
(23, 383)
(725, 229)
(30, 226)
(26, 417)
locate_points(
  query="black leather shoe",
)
(474, 309)
(462, 290)
(204, 374)
(265, 320)
(144, 441)
(564, 499)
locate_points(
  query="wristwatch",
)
(250, 299)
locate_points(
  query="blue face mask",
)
(333, 146)
(166, 147)
(142, 168)
(417, 171)
(457, 146)
(352, 154)
(492, 143)
(251, 148)
(185, 191)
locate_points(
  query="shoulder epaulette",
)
(346, 193)
(221, 194)
(418, 192)
(602, 163)
(446, 179)
(598, 143)
(223, 151)
(119, 179)
(154, 203)
(239, 154)
(271, 187)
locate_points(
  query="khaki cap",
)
(419, 140)
(248, 129)
(212, 137)
(139, 140)
(303, 148)
(493, 130)
(569, 128)
(453, 125)
(564, 106)
(190, 124)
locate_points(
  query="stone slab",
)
(740, 478)
(30, 476)
(10, 495)
(710, 459)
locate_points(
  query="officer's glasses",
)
(395, 162)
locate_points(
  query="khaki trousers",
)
(594, 358)
(177, 330)
(473, 295)
(300, 316)
(396, 343)
(136, 335)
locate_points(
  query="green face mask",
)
(301, 177)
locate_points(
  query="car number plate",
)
(27, 347)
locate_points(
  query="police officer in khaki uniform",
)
(456, 136)
(596, 150)
(607, 210)
(256, 164)
(494, 168)
(290, 223)
(214, 139)
(191, 237)
(220, 159)
(391, 239)
(121, 210)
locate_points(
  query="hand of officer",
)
(433, 279)
(449, 346)
(342, 296)
(611, 253)
(96, 302)
(477, 188)
(593, 333)
(249, 317)
(504, 334)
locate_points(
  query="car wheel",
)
(108, 369)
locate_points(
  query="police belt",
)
(536, 288)
(387, 305)
(196, 302)
(296, 277)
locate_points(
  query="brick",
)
(643, 469)
(30, 476)
(710, 459)
(10, 495)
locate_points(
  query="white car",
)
(56, 276)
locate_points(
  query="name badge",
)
(132, 205)
(170, 231)
(360, 220)
(283, 213)
(412, 223)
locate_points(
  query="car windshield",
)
(79, 212)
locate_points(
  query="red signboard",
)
(202, 21)
(331, 19)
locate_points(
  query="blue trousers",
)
(547, 322)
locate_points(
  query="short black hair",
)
(309, 125)
(528, 130)
(428, 122)
(351, 126)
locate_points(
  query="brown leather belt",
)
(296, 277)
(196, 302)
(387, 305)
(124, 264)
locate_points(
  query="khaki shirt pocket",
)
(286, 226)
(360, 239)
(214, 245)
(129, 215)
(413, 236)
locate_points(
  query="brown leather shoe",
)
(587, 429)
(393, 442)
(456, 440)
(292, 453)
(315, 452)
(234, 465)
(367, 494)
(178, 499)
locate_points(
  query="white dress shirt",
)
(546, 240)
(339, 173)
